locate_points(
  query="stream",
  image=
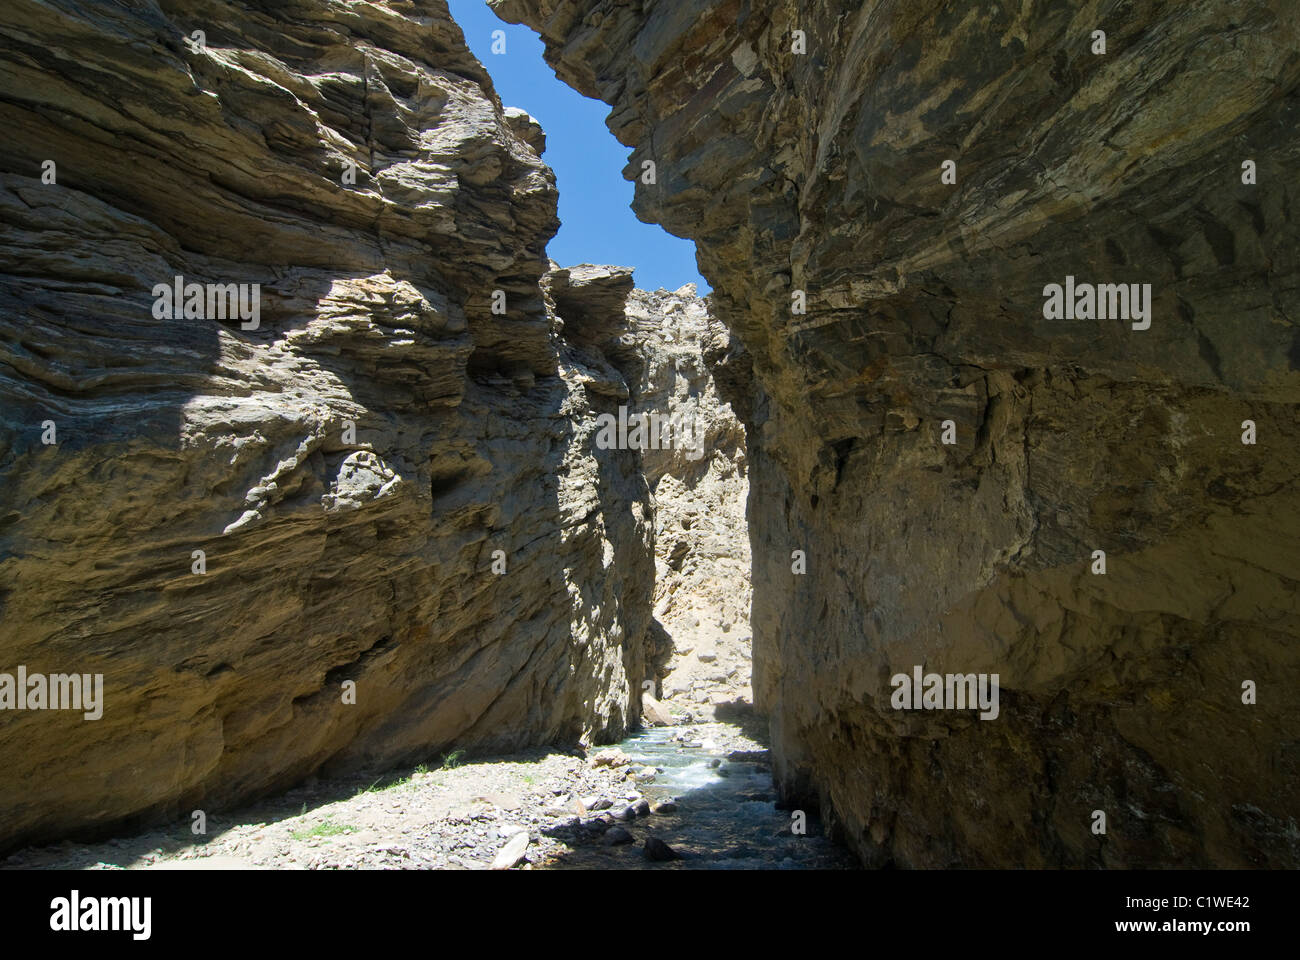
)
(726, 816)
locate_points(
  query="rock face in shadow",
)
(821, 173)
(349, 465)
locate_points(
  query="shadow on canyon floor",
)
(305, 802)
(459, 816)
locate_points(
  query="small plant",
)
(421, 769)
(326, 828)
(452, 760)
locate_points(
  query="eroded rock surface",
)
(651, 358)
(349, 466)
(821, 172)
(700, 484)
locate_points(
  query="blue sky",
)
(598, 225)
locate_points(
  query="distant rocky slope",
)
(700, 486)
(921, 174)
(349, 464)
(664, 352)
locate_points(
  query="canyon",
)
(376, 526)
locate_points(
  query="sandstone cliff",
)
(803, 146)
(349, 465)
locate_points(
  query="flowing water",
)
(726, 816)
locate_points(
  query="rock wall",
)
(651, 357)
(804, 147)
(700, 486)
(348, 460)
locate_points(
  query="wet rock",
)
(641, 808)
(667, 806)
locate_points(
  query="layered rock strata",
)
(360, 520)
(698, 474)
(651, 357)
(882, 195)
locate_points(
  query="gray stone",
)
(512, 852)
(616, 836)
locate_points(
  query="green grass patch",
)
(326, 828)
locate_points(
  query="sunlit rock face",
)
(698, 473)
(814, 166)
(362, 523)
